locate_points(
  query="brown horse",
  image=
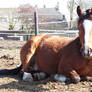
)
(45, 49)
(65, 58)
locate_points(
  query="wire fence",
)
(40, 24)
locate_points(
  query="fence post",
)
(36, 22)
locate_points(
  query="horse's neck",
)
(74, 44)
(77, 41)
(71, 44)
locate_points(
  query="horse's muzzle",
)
(86, 53)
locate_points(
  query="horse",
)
(45, 46)
(67, 59)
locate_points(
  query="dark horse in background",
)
(67, 59)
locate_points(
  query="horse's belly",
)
(47, 62)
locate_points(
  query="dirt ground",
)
(9, 58)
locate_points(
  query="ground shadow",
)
(35, 86)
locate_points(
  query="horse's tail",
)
(14, 71)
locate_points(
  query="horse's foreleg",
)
(74, 76)
(26, 55)
(68, 76)
(26, 60)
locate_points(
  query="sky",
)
(39, 3)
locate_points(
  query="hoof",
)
(27, 77)
(75, 79)
(60, 78)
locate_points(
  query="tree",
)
(13, 18)
(26, 13)
(82, 3)
(87, 4)
(70, 6)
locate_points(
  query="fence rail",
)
(21, 34)
(39, 27)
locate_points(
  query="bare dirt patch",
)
(10, 58)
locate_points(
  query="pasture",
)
(10, 58)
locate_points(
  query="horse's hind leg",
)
(34, 73)
(28, 51)
(26, 69)
(26, 54)
(27, 77)
(29, 68)
(26, 60)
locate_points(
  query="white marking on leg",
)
(87, 24)
(27, 77)
(60, 78)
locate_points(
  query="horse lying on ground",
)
(67, 59)
(45, 49)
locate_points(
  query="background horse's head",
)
(85, 31)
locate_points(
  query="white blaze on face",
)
(87, 24)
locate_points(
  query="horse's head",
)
(85, 31)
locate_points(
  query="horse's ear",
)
(79, 11)
(89, 11)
